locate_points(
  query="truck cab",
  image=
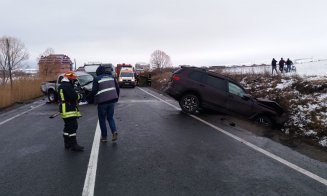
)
(83, 85)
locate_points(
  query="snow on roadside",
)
(304, 97)
(323, 141)
(284, 84)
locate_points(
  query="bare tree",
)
(47, 52)
(46, 69)
(12, 54)
(160, 59)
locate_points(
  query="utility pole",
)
(75, 64)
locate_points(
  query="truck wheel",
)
(189, 103)
(52, 96)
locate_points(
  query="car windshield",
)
(236, 90)
(84, 79)
(126, 74)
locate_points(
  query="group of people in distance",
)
(281, 64)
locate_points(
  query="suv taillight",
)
(175, 77)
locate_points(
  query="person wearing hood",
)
(106, 93)
(274, 65)
(68, 101)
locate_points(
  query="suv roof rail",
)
(193, 67)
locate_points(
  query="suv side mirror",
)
(247, 96)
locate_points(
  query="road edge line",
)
(17, 115)
(89, 183)
(257, 148)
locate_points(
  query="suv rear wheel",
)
(189, 103)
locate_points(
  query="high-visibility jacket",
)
(105, 89)
(68, 100)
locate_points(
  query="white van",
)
(126, 77)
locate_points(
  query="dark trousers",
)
(274, 68)
(106, 112)
(70, 129)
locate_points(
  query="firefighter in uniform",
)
(106, 91)
(68, 101)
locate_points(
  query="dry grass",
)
(24, 88)
(161, 79)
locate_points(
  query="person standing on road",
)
(281, 65)
(106, 91)
(274, 65)
(68, 101)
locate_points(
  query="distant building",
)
(52, 65)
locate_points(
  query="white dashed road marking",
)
(89, 182)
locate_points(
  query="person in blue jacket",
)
(106, 94)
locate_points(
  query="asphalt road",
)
(160, 151)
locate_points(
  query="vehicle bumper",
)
(171, 92)
(126, 83)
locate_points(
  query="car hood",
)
(270, 104)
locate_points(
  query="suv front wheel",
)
(189, 103)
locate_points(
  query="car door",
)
(215, 92)
(237, 103)
(195, 81)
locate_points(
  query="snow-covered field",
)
(315, 68)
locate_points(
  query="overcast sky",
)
(194, 32)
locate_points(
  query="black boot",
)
(67, 142)
(75, 146)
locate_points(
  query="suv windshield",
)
(126, 74)
(83, 79)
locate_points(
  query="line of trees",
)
(12, 55)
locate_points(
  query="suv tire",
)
(189, 103)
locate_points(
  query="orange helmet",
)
(70, 75)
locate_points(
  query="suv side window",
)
(197, 76)
(216, 82)
(235, 89)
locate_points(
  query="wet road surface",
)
(160, 151)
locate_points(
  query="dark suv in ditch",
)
(196, 88)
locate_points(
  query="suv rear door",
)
(215, 92)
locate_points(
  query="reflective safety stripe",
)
(70, 114)
(71, 135)
(105, 79)
(105, 90)
(62, 95)
(64, 113)
(66, 133)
